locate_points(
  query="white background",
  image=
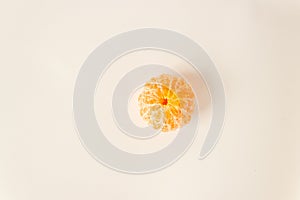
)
(255, 45)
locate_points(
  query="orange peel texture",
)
(166, 102)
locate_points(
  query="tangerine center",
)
(164, 101)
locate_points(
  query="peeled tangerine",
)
(166, 102)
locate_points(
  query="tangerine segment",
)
(166, 102)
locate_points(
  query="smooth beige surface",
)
(255, 45)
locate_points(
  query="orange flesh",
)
(166, 102)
